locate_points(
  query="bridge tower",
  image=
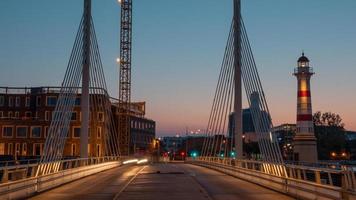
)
(304, 141)
(85, 79)
(237, 80)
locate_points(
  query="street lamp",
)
(333, 154)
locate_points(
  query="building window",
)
(100, 116)
(35, 131)
(17, 149)
(76, 132)
(74, 116)
(9, 114)
(47, 115)
(7, 131)
(36, 115)
(37, 149)
(17, 102)
(77, 101)
(11, 101)
(100, 101)
(27, 102)
(2, 148)
(45, 131)
(24, 149)
(28, 114)
(21, 132)
(74, 149)
(51, 101)
(89, 149)
(17, 115)
(2, 101)
(98, 150)
(38, 101)
(10, 149)
(1, 114)
(98, 132)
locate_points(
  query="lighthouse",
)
(304, 141)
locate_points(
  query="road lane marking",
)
(128, 183)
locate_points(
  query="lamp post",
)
(157, 141)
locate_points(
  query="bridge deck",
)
(174, 181)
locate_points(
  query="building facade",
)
(25, 118)
(285, 134)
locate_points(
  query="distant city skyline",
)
(178, 49)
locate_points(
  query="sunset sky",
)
(178, 49)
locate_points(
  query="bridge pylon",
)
(238, 83)
(225, 139)
(84, 67)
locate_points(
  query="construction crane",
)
(125, 76)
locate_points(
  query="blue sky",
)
(178, 48)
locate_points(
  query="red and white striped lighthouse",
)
(304, 141)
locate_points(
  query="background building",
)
(351, 144)
(26, 114)
(285, 134)
(172, 144)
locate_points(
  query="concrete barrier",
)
(28, 187)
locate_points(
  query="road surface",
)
(173, 181)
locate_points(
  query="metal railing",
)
(339, 179)
(9, 163)
(308, 70)
(69, 170)
(17, 170)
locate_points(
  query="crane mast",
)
(125, 76)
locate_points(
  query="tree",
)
(327, 119)
(330, 134)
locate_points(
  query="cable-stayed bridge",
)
(215, 174)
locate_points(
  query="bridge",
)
(220, 171)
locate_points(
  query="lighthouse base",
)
(305, 149)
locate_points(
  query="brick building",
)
(25, 117)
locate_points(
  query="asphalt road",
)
(104, 185)
(175, 181)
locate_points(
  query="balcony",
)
(303, 70)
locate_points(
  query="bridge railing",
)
(294, 179)
(26, 182)
(17, 170)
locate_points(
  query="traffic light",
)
(182, 153)
(194, 154)
(232, 154)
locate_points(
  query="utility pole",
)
(125, 76)
(85, 80)
(237, 78)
